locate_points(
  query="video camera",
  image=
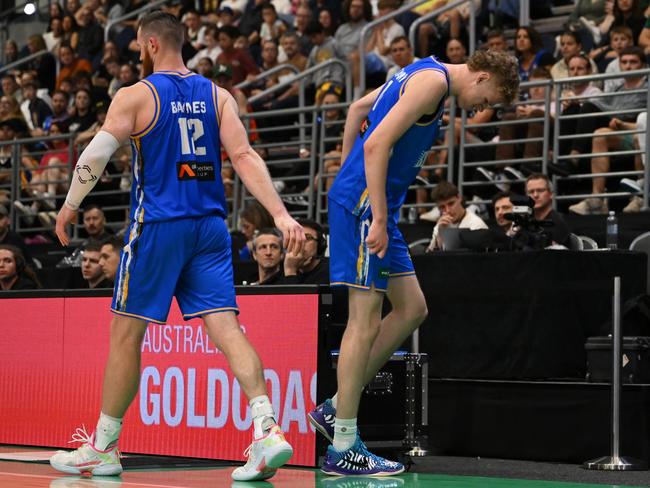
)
(531, 234)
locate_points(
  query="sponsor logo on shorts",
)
(191, 170)
(384, 273)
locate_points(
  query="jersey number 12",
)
(188, 146)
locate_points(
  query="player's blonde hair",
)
(501, 64)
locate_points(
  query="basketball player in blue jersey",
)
(177, 244)
(387, 136)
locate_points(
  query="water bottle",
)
(611, 235)
(413, 215)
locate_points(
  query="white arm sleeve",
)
(90, 167)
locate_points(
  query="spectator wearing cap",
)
(8, 236)
(70, 64)
(225, 17)
(240, 61)
(325, 48)
(211, 49)
(34, 109)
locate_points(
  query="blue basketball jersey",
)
(176, 158)
(408, 155)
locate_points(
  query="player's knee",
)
(126, 333)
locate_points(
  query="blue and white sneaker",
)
(358, 461)
(322, 418)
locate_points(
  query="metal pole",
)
(524, 12)
(615, 462)
(646, 166)
(451, 143)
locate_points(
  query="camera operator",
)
(539, 189)
(503, 205)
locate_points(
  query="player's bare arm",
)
(252, 170)
(421, 96)
(356, 113)
(128, 111)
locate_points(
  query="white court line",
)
(81, 478)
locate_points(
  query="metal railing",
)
(25, 60)
(441, 10)
(265, 74)
(366, 29)
(145, 8)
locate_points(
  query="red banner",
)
(52, 357)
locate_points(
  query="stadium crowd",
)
(68, 87)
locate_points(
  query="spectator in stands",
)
(70, 35)
(631, 58)
(195, 30)
(503, 205)
(606, 57)
(70, 64)
(402, 53)
(328, 21)
(72, 6)
(252, 218)
(128, 75)
(222, 75)
(60, 103)
(15, 274)
(455, 51)
(272, 27)
(378, 44)
(496, 41)
(205, 67)
(113, 69)
(10, 110)
(240, 61)
(226, 16)
(324, 48)
(307, 266)
(358, 13)
(540, 189)
(621, 38)
(268, 253)
(90, 269)
(605, 141)
(570, 45)
(11, 51)
(109, 257)
(44, 65)
(10, 88)
(109, 11)
(269, 60)
(579, 65)
(304, 16)
(452, 213)
(82, 114)
(8, 236)
(211, 49)
(91, 35)
(531, 54)
(54, 36)
(56, 10)
(236, 6)
(94, 223)
(623, 12)
(531, 130)
(34, 109)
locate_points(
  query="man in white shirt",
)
(452, 213)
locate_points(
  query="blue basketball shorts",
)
(350, 262)
(186, 258)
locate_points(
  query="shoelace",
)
(80, 435)
(248, 450)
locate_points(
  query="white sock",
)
(345, 433)
(107, 431)
(263, 415)
(334, 399)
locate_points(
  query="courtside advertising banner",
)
(53, 353)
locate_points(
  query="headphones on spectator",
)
(321, 241)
